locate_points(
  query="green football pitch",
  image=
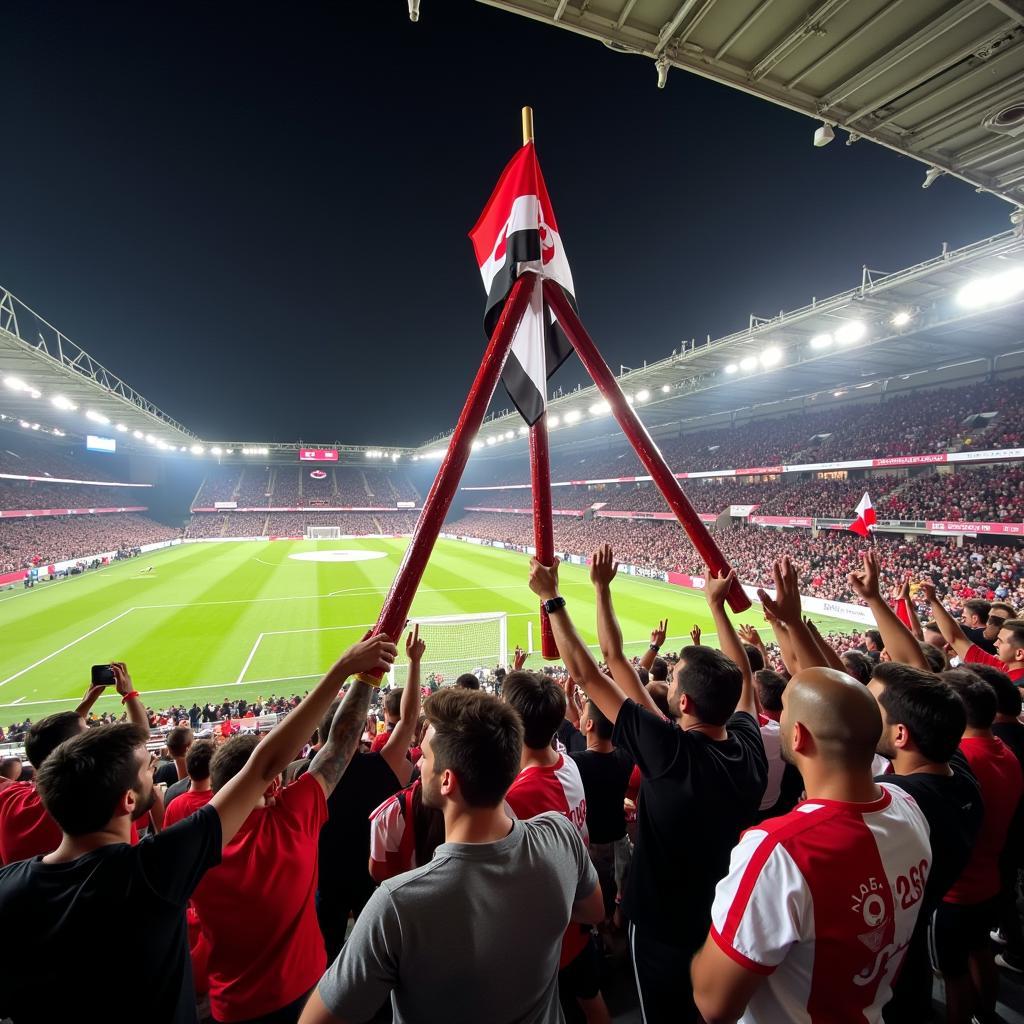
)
(248, 619)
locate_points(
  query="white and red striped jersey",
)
(556, 787)
(823, 901)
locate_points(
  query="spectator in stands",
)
(970, 909)
(195, 790)
(468, 681)
(10, 772)
(923, 720)
(392, 711)
(709, 767)
(873, 644)
(549, 781)
(95, 890)
(179, 739)
(783, 941)
(974, 619)
(405, 942)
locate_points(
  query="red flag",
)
(865, 521)
(517, 233)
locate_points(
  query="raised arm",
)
(785, 607)
(234, 802)
(825, 649)
(129, 695)
(898, 640)
(948, 626)
(910, 610)
(603, 568)
(396, 750)
(658, 635)
(579, 662)
(715, 590)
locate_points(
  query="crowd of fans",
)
(30, 494)
(43, 540)
(293, 524)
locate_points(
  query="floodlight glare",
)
(642, 396)
(901, 319)
(600, 408)
(572, 416)
(477, 445)
(665, 389)
(97, 417)
(151, 439)
(63, 403)
(988, 291)
(748, 363)
(35, 394)
(850, 332)
(509, 434)
(820, 341)
(553, 421)
(215, 450)
(523, 431)
(121, 428)
(731, 368)
(771, 357)
(197, 449)
(15, 384)
(137, 434)
(492, 440)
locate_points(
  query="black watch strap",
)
(554, 605)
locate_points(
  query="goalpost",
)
(455, 644)
(323, 532)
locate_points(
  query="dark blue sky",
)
(257, 215)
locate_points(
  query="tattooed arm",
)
(343, 740)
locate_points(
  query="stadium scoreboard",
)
(318, 455)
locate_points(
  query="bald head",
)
(837, 712)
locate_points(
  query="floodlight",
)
(731, 368)
(987, 291)
(58, 433)
(477, 445)
(771, 357)
(599, 408)
(15, 384)
(509, 434)
(523, 431)
(851, 331)
(748, 363)
(629, 400)
(231, 451)
(901, 319)
(25, 424)
(665, 388)
(820, 341)
(215, 450)
(63, 403)
(197, 449)
(492, 440)
(121, 428)
(35, 426)
(823, 134)
(394, 456)
(35, 394)
(643, 395)
(369, 455)
(137, 434)
(553, 421)
(97, 417)
(151, 439)
(572, 416)
(182, 448)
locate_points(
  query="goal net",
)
(455, 644)
(323, 532)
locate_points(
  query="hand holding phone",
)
(102, 675)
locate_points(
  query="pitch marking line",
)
(61, 650)
(248, 661)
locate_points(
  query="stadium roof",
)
(961, 306)
(938, 80)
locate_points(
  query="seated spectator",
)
(405, 945)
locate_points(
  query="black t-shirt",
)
(167, 773)
(570, 737)
(953, 808)
(1012, 734)
(976, 634)
(345, 837)
(118, 905)
(696, 796)
(605, 779)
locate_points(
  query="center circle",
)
(336, 555)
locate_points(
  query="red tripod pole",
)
(395, 611)
(543, 529)
(641, 440)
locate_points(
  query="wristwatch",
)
(554, 605)
(655, 647)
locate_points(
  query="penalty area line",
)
(248, 661)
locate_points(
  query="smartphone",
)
(102, 675)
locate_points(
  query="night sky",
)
(257, 215)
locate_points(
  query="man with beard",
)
(97, 899)
(499, 892)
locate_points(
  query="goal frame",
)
(501, 618)
(312, 532)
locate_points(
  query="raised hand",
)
(749, 635)
(373, 654)
(865, 584)
(122, 680)
(716, 588)
(519, 657)
(928, 590)
(603, 566)
(659, 633)
(544, 579)
(414, 646)
(785, 606)
(695, 636)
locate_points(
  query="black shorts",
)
(959, 929)
(581, 978)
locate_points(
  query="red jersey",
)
(822, 902)
(976, 656)
(185, 804)
(999, 777)
(392, 833)
(26, 828)
(257, 910)
(556, 787)
(379, 740)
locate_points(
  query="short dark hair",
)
(659, 694)
(230, 758)
(1003, 606)
(858, 665)
(936, 659)
(49, 733)
(875, 637)
(711, 680)
(602, 726)
(7, 766)
(468, 681)
(928, 707)
(1016, 628)
(479, 738)
(643, 675)
(179, 739)
(659, 670)
(755, 657)
(978, 606)
(197, 760)
(82, 780)
(393, 702)
(769, 688)
(978, 696)
(1008, 698)
(539, 702)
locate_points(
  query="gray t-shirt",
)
(477, 932)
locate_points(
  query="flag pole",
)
(643, 444)
(395, 611)
(540, 481)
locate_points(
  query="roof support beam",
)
(742, 27)
(809, 25)
(624, 13)
(669, 29)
